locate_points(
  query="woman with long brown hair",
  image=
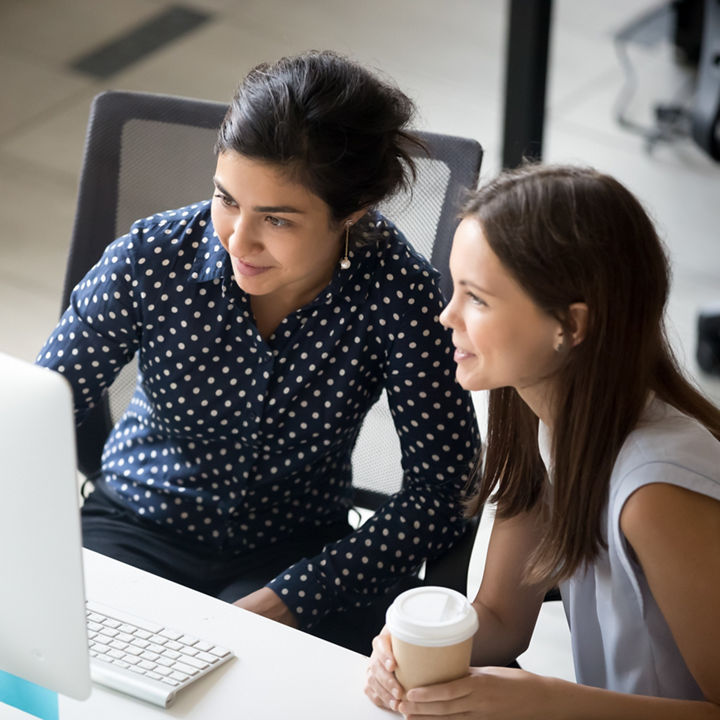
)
(603, 459)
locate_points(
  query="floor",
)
(449, 56)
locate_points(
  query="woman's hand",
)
(267, 603)
(382, 687)
(489, 693)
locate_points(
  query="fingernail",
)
(388, 664)
(396, 693)
(394, 705)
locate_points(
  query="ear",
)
(577, 322)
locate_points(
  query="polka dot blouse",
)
(234, 442)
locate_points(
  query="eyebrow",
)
(261, 208)
(468, 283)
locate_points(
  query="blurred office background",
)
(449, 55)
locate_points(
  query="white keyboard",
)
(144, 659)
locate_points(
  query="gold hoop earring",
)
(345, 262)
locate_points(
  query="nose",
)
(241, 240)
(448, 317)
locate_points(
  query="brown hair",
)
(570, 235)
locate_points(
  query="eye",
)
(276, 221)
(224, 199)
(475, 300)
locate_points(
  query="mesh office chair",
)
(145, 153)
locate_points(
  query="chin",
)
(468, 382)
(476, 382)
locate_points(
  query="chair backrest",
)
(146, 152)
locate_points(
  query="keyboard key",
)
(194, 662)
(220, 652)
(170, 634)
(183, 668)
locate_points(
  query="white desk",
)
(279, 673)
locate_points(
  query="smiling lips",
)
(461, 355)
(247, 269)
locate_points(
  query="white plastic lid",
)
(432, 617)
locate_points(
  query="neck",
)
(539, 398)
(271, 309)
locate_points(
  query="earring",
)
(345, 262)
(560, 346)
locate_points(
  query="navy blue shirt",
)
(235, 442)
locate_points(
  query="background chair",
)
(146, 152)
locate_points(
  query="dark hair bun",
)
(338, 128)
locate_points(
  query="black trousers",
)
(111, 530)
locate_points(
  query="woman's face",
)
(279, 235)
(502, 338)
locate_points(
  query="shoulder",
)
(665, 444)
(653, 508)
(164, 242)
(670, 461)
(396, 268)
(170, 224)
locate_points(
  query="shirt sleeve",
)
(435, 421)
(99, 331)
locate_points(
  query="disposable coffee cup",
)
(431, 630)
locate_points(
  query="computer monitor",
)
(43, 635)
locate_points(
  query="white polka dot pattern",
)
(236, 443)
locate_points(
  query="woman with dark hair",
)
(604, 461)
(266, 323)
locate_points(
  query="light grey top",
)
(620, 639)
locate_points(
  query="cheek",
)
(219, 224)
(485, 332)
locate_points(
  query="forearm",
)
(580, 702)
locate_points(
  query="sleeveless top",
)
(620, 640)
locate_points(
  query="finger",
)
(382, 651)
(441, 692)
(382, 701)
(444, 709)
(385, 684)
(380, 694)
